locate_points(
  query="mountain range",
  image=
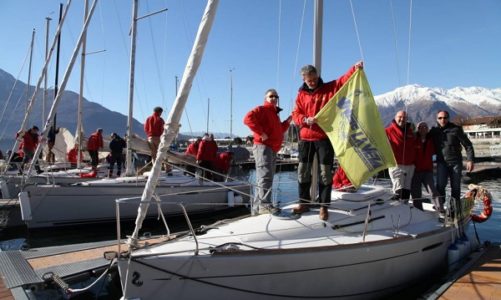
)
(421, 104)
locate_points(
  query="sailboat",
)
(59, 204)
(369, 247)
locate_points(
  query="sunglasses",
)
(443, 118)
(273, 96)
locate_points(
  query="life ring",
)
(479, 193)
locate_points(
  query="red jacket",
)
(404, 148)
(72, 155)
(154, 125)
(207, 150)
(192, 148)
(424, 155)
(309, 103)
(340, 179)
(95, 141)
(265, 119)
(223, 162)
(29, 141)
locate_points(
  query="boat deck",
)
(482, 280)
(22, 269)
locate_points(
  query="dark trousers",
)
(325, 155)
(94, 159)
(118, 159)
(446, 171)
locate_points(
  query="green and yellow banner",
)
(353, 124)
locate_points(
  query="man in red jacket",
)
(268, 132)
(423, 174)
(95, 143)
(207, 155)
(28, 145)
(403, 143)
(311, 98)
(154, 127)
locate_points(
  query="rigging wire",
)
(7, 102)
(279, 42)
(294, 72)
(409, 46)
(155, 56)
(397, 63)
(356, 31)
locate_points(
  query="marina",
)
(271, 225)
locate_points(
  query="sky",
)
(253, 46)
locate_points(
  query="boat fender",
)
(5, 189)
(24, 201)
(238, 199)
(479, 193)
(453, 255)
(231, 199)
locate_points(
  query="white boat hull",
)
(270, 257)
(48, 206)
(372, 270)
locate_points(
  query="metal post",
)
(29, 68)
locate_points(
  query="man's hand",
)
(469, 166)
(359, 65)
(198, 162)
(264, 137)
(310, 121)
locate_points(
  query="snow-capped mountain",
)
(422, 103)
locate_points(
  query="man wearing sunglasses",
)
(268, 132)
(448, 139)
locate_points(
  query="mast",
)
(44, 70)
(172, 125)
(208, 113)
(318, 17)
(44, 98)
(317, 62)
(52, 112)
(79, 130)
(128, 153)
(29, 68)
(133, 37)
(231, 102)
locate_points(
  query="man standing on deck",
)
(268, 132)
(403, 143)
(448, 138)
(154, 127)
(312, 97)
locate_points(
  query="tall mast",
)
(318, 17)
(231, 102)
(208, 113)
(79, 132)
(171, 128)
(128, 155)
(44, 69)
(55, 103)
(317, 62)
(29, 68)
(44, 98)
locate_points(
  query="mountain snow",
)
(410, 94)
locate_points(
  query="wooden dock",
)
(24, 270)
(479, 280)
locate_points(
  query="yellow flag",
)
(351, 121)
